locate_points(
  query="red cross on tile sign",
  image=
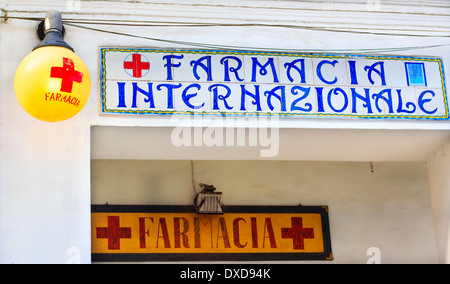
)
(297, 233)
(136, 65)
(114, 233)
(68, 74)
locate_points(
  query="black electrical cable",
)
(82, 25)
(229, 47)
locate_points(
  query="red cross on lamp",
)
(52, 83)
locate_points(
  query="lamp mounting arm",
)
(53, 30)
(4, 16)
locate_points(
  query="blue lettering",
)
(422, 101)
(380, 72)
(387, 100)
(207, 68)
(301, 70)
(319, 71)
(148, 94)
(170, 89)
(319, 92)
(121, 94)
(169, 64)
(216, 97)
(281, 97)
(353, 76)
(365, 99)
(336, 92)
(187, 97)
(228, 69)
(408, 105)
(255, 97)
(306, 91)
(263, 69)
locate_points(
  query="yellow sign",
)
(159, 233)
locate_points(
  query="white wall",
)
(439, 177)
(388, 209)
(142, 143)
(45, 168)
(44, 196)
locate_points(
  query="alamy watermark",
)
(73, 5)
(198, 131)
(74, 255)
(375, 255)
(374, 5)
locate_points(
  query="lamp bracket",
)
(52, 31)
(4, 16)
(41, 31)
(207, 188)
(208, 201)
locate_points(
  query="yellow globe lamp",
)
(52, 83)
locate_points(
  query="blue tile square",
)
(415, 74)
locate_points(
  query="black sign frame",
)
(327, 255)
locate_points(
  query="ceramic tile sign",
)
(178, 233)
(245, 83)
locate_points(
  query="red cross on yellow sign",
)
(113, 233)
(164, 233)
(297, 233)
